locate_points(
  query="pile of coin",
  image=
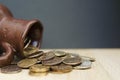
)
(42, 63)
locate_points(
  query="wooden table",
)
(106, 67)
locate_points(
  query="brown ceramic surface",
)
(13, 33)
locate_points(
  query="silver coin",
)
(59, 53)
(87, 58)
(86, 64)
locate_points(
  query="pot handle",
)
(7, 55)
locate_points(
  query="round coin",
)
(30, 50)
(73, 55)
(61, 68)
(87, 58)
(39, 68)
(36, 54)
(53, 61)
(26, 63)
(72, 61)
(59, 53)
(10, 69)
(86, 64)
(47, 56)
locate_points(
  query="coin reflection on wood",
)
(38, 74)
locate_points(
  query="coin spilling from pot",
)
(40, 63)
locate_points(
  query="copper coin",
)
(72, 61)
(61, 68)
(10, 69)
(39, 68)
(36, 54)
(26, 63)
(53, 61)
(47, 56)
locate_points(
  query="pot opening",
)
(34, 35)
(2, 51)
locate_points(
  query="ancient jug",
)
(13, 33)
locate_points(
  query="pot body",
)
(13, 33)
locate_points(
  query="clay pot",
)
(13, 33)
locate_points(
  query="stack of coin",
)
(41, 63)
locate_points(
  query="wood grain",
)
(106, 67)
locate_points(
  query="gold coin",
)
(10, 69)
(62, 68)
(30, 50)
(59, 53)
(36, 54)
(53, 61)
(27, 44)
(47, 56)
(86, 64)
(26, 63)
(39, 68)
(72, 61)
(87, 58)
(38, 74)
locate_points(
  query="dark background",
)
(73, 23)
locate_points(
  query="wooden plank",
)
(106, 67)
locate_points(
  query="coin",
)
(30, 50)
(72, 61)
(36, 54)
(28, 43)
(62, 68)
(11, 69)
(87, 58)
(73, 55)
(59, 53)
(47, 56)
(86, 64)
(53, 61)
(39, 68)
(38, 74)
(26, 63)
